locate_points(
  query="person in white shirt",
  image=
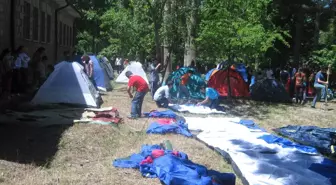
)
(161, 96)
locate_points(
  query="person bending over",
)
(141, 87)
(211, 98)
(161, 96)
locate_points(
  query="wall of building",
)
(4, 24)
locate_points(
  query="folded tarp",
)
(260, 162)
(163, 127)
(172, 168)
(161, 114)
(324, 139)
(190, 108)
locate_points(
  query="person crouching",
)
(211, 98)
(141, 87)
(161, 96)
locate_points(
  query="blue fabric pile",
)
(173, 168)
(161, 114)
(179, 127)
(324, 139)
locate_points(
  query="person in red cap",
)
(141, 87)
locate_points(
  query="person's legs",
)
(141, 99)
(214, 104)
(318, 89)
(162, 103)
(135, 105)
(153, 88)
(297, 93)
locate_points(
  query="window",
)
(64, 34)
(48, 28)
(35, 24)
(68, 36)
(60, 34)
(26, 20)
(42, 27)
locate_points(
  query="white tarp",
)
(194, 109)
(136, 69)
(259, 163)
(67, 84)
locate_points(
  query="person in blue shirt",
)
(154, 77)
(211, 98)
(319, 85)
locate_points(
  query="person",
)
(42, 70)
(269, 73)
(21, 69)
(154, 77)
(183, 90)
(6, 60)
(142, 88)
(66, 56)
(319, 85)
(211, 98)
(88, 66)
(300, 83)
(161, 96)
(118, 64)
(125, 63)
(36, 61)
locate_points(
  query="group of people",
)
(161, 95)
(18, 71)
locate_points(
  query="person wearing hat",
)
(141, 87)
(211, 98)
(161, 96)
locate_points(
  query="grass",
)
(82, 154)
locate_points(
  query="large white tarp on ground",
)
(259, 163)
(194, 109)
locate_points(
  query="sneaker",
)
(313, 107)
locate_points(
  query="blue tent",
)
(208, 75)
(99, 74)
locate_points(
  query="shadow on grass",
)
(30, 145)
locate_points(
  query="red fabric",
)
(139, 83)
(158, 153)
(148, 160)
(176, 153)
(166, 121)
(287, 87)
(311, 91)
(219, 81)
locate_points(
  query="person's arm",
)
(322, 82)
(207, 99)
(157, 67)
(129, 91)
(167, 94)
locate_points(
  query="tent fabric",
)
(209, 74)
(324, 139)
(172, 167)
(193, 109)
(241, 69)
(100, 76)
(219, 81)
(269, 90)
(68, 84)
(107, 67)
(260, 162)
(194, 85)
(178, 127)
(161, 114)
(136, 69)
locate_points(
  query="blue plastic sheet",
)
(178, 128)
(161, 114)
(208, 75)
(321, 138)
(172, 169)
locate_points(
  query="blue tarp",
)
(161, 114)
(242, 71)
(100, 77)
(194, 85)
(284, 143)
(324, 139)
(178, 128)
(208, 75)
(172, 168)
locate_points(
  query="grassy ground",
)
(82, 154)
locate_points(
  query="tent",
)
(269, 90)
(194, 85)
(135, 68)
(69, 84)
(210, 73)
(100, 76)
(219, 81)
(108, 67)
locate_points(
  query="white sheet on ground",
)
(194, 109)
(259, 162)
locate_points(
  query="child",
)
(183, 90)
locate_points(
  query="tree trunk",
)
(297, 44)
(167, 41)
(157, 40)
(190, 47)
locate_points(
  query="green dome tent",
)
(194, 85)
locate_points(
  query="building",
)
(38, 23)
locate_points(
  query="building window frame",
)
(26, 28)
(43, 27)
(48, 29)
(35, 35)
